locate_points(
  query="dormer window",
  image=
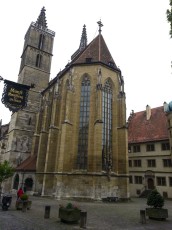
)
(111, 64)
(88, 60)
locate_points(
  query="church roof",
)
(28, 165)
(154, 129)
(96, 51)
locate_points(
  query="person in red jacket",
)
(20, 192)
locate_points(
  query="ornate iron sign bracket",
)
(14, 95)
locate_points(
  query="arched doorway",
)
(28, 184)
(16, 182)
(150, 182)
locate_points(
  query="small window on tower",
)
(41, 41)
(38, 60)
(29, 121)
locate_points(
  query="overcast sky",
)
(136, 33)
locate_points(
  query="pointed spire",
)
(83, 42)
(41, 21)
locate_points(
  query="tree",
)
(169, 18)
(155, 199)
(6, 171)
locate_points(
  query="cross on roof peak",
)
(100, 25)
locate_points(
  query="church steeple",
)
(41, 21)
(83, 42)
(37, 54)
(34, 70)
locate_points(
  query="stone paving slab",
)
(100, 216)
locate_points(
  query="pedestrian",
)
(20, 192)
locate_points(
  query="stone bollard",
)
(24, 207)
(47, 212)
(142, 217)
(83, 219)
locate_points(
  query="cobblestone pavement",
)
(100, 216)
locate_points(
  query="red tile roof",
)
(28, 165)
(142, 130)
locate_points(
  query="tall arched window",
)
(38, 60)
(41, 41)
(84, 124)
(107, 126)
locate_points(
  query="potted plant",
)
(23, 202)
(156, 202)
(69, 213)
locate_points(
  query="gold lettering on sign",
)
(15, 95)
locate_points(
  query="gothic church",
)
(71, 139)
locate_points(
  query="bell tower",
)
(37, 54)
(35, 72)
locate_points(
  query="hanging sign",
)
(15, 95)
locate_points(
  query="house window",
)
(130, 179)
(150, 147)
(38, 60)
(138, 179)
(167, 162)
(137, 163)
(129, 148)
(165, 146)
(107, 125)
(161, 181)
(151, 163)
(130, 163)
(84, 124)
(170, 181)
(136, 148)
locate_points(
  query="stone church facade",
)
(71, 139)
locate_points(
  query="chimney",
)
(148, 112)
(165, 106)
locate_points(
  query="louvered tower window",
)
(107, 126)
(84, 124)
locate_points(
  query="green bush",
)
(24, 197)
(155, 199)
(70, 206)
